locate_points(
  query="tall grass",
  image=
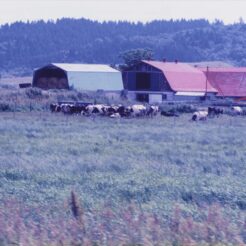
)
(127, 225)
(34, 99)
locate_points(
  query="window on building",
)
(142, 97)
(164, 97)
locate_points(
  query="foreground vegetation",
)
(147, 181)
(13, 99)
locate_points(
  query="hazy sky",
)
(133, 10)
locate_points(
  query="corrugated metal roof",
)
(183, 77)
(230, 82)
(70, 67)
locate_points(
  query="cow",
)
(199, 115)
(66, 108)
(94, 109)
(152, 111)
(137, 110)
(213, 111)
(109, 110)
(237, 110)
(55, 107)
(52, 107)
(115, 116)
(122, 111)
(77, 109)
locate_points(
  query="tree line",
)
(25, 46)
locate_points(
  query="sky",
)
(229, 11)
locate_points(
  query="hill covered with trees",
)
(24, 46)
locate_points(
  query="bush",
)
(5, 107)
(123, 94)
(33, 93)
(186, 109)
(83, 96)
(179, 108)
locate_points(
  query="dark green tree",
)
(133, 57)
(25, 46)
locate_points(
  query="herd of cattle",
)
(137, 110)
(216, 112)
(113, 111)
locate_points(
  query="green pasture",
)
(155, 163)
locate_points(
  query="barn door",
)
(142, 81)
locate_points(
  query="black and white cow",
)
(152, 111)
(77, 109)
(94, 109)
(213, 111)
(115, 116)
(109, 110)
(137, 110)
(124, 111)
(66, 108)
(236, 110)
(55, 107)
(199, 115)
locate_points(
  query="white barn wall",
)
(155, 98)
(187, 98)
(92, 81)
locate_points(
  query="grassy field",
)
(174, 173)
(13, 99)
(15, 81)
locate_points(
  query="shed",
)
(229, 81)
(156, 81)
(89, 77)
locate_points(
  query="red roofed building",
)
(156, 81)
(230, 81)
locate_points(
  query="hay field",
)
(173, 177)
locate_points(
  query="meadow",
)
(72, 180)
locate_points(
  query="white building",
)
(88, 77)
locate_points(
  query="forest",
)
(25, 46)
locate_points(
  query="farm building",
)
(156, 81)
(89, 77)
(230, 82)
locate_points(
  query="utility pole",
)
(206, 90)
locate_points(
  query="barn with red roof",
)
(229, 81)
(156, 81)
